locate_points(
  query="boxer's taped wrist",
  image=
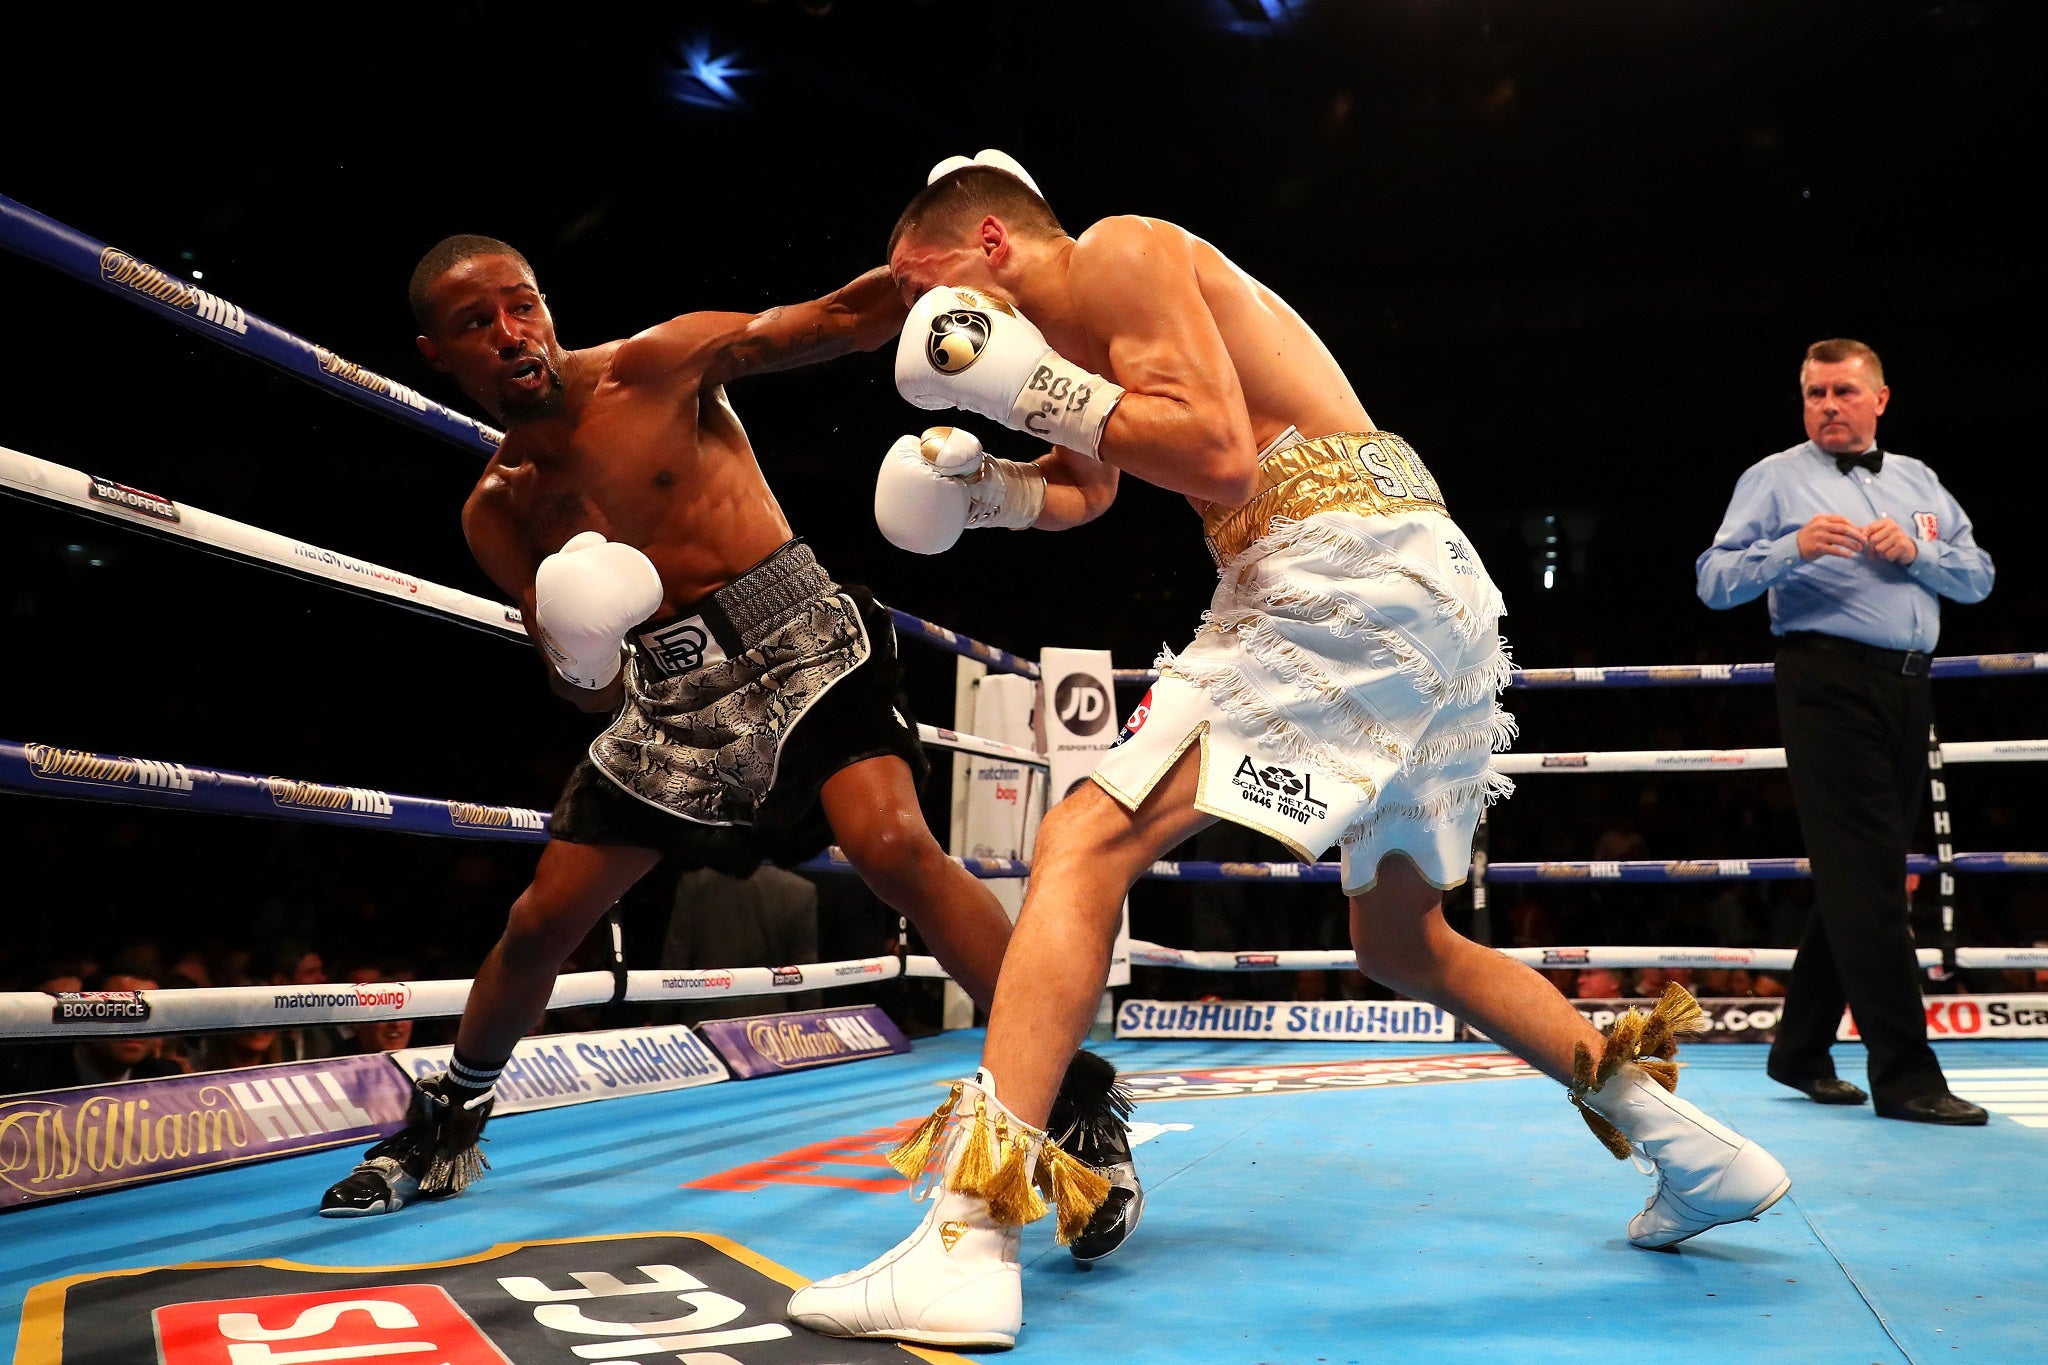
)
(1019, 491)
(1065, 404)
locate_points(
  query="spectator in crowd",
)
(292, 962)
(191, 965)
(384, 1035)
(64, 976)
(1597, 983)
(245, 1047)
(1856, 547)
(96, 1060)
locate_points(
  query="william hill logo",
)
(293, 794)
(52, 764)
(467, 816)
(123, 271)
(351, 373)
(801, 1042)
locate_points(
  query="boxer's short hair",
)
(444, 254)
(954, 203)
(1836, 350)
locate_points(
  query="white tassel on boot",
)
(957, 1280)
(1707, 1174)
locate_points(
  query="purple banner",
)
(100, 1137)
(766, 1044)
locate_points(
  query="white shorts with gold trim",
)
(1341, 691)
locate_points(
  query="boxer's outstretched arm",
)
(1182, 422)
(721, 347)
(1077, 490)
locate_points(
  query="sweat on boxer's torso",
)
(664, 466)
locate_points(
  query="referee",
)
(1856, 547)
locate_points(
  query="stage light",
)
(705, 77)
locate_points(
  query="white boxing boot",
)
(1707, 1173)
(957, 1280)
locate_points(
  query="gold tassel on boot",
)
(1075, 1186)
(978, 1162)
(1011, 1196)
(914, 1153)
(1647, 1040)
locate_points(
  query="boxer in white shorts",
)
(1342, 688)
(1340, 691)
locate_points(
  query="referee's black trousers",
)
(1855, 734)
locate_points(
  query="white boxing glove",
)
(586, 596)
(933, 487)
(961, 348)
(990, 157)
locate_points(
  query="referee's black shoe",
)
(1944, 1108)
(1824, 1089)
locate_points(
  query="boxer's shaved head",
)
(442, 257)
(950, 208)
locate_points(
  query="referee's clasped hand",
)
(1830, 534)
(1888, 540)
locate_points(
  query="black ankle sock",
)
(468, 1078)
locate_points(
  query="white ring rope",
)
(26, 475)
(159, 515)
(218, 1009)
(1757, 959)
(150, 512)
(1723, 760)
(214, 1009)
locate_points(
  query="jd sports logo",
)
(1081, 704)
(957, 340)
(666, 1296)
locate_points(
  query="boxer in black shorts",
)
(756, 705)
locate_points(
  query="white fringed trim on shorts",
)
(1440, 809)
(1344, 614)
(1359, 556)
(1250, 613)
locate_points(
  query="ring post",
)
(1482, 918)
(1944, 853)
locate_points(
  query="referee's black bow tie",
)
(1871, 460)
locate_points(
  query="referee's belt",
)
(1372, 472)
(1906, 663)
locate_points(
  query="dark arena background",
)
(1573, 252)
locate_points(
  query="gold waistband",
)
(1371, 472)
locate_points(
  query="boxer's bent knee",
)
(1397, 930)
(544, 929)
(1085, 823)
(893, 851)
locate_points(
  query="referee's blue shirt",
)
(1867, 598)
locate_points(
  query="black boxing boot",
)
(434, 1156)
(1090, 1119)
